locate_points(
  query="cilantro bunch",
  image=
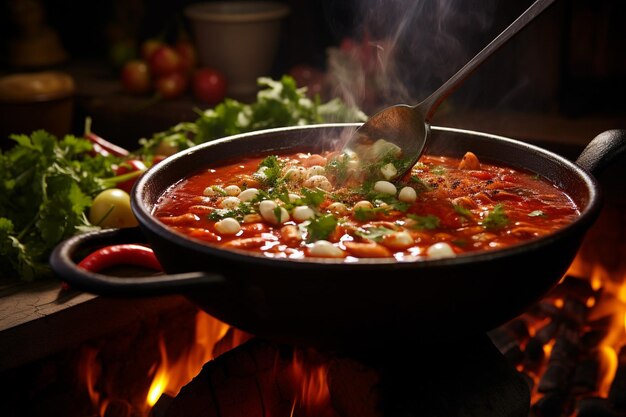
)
(279, 103)
(46, 184)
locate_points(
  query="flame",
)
(608, 367)
(170, 378)
(90, 370)
(161, 378)
(168, 375)
(310, 374)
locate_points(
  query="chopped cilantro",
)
(496, 219)
(270, 176)
(312, 197)
(46, 185)
(321, 227)
(236, 213)
(438, 170)
(428, 222)
(422, 185)
(462, 211)
(374, 233)
(338, 168)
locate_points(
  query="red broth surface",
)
(445, 207)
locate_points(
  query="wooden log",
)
(257, 379)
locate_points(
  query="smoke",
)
(400, 51)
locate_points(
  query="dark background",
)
(571, 62)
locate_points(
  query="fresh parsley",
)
(496, 219)
(46, 184)
(374, 233)
(321, 227)
(427, 222)
(278, 103)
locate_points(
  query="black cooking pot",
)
(366, 304)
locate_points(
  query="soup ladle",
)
(396, 137)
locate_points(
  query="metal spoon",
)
(396, 136)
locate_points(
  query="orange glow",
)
(89, 370)
(559, 302)
(608, 367)
(169, 374)
(311, 377)
(161, 378)
(172, 375)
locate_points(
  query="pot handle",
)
(602, 150)
(62, 263)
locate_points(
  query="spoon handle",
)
(430, 104)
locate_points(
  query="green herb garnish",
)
(374, 233)
(338, 168)
(421, 184)
(236, 213)
(270, 176)
(46, 184)
(462, 211)
(496, 219)
(428, 222)
(321, 227)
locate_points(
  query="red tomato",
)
(164, 61)
(171, 85)
(135, 77)
(187, 53)
(148, 47)
(131, 165)
(209, 85)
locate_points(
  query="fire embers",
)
(571, 347)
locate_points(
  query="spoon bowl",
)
(398, 135)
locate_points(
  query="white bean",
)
(385, 187)
(296, 174)
(318, 181)
(213, 190)
(398, 240)
(232, 190)
(325, 249)
(227, 226)
(230, 203)
(440, 250)
(338, 208)
(267, 208)
(302, 213)
(407, 194)
(315, 170)
(363, 204)
(248, 194)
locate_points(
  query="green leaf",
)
(321, 227)
(428, 222)
(462, 211)
(496, 219)
(374, 233)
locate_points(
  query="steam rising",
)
(402, 50)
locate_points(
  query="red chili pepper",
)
(102, 146)
(125, 254)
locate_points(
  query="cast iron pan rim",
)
(147, 221)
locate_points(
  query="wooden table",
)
(39, 318)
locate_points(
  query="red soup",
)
(305, 205)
